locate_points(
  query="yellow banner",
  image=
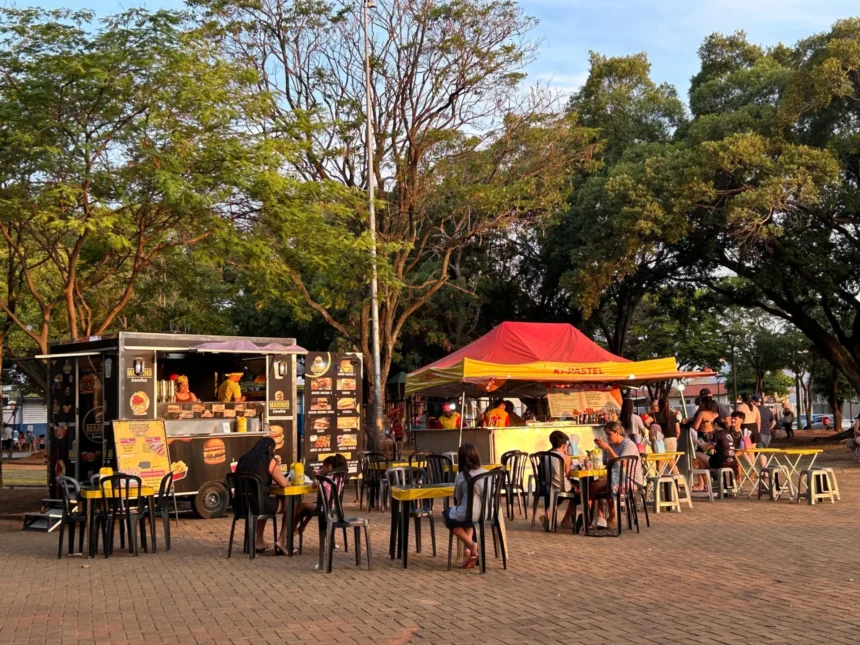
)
(141, 449)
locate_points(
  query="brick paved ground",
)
(731, 572)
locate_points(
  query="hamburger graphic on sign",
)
(319, 365)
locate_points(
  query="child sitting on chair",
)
(469, 462)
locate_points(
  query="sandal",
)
(473, 560)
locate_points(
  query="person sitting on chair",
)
(462, 527)
(560, 482)
(260, 461)
(615, 446)
(305, 509)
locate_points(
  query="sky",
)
(669, 31)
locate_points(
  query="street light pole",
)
(374, 286)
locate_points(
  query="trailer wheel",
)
(211, 500)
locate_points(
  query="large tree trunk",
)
(834, 400)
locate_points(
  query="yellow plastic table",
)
(290, 493)
(749, 469)
(585, 477)
(92, 494)
(399, 537)
(793, 459)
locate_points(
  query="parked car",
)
(818, 421)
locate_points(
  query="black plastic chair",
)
(439, 469)
(374, 465)
(622, 491)
(70, 492)
(514, 464)
(419, 459)
(247, 497)
(122, 502)
(544, 464)
(339, 476)
(412, 476)
(162, 506)
(334, 519)
(491, 485)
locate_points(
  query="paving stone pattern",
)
(731, 572)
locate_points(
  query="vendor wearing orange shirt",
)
(450, 419)
(497, 417)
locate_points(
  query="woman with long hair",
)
(260, 460)
(669, 423)
(632, 422)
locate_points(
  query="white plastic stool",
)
(831, 482)
(817, 488)
(681, 481)
(673, 503)
(726, 483)
(709, 490)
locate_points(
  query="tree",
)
(634, 117)
(119, 144)
(457, 155)
(760, 188)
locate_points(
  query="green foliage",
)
(120, 141)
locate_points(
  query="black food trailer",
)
(96, 380)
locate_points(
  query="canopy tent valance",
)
(527, 359)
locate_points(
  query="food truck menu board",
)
(580, 400)
(333, 398)
(141, 449)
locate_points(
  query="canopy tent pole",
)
(462, 416)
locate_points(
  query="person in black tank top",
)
(260, 460)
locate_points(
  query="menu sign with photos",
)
(139, 386)
(141, 449)
(333, 409)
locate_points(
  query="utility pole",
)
(374, 286)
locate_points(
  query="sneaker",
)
(600, 523)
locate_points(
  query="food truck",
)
(134, 378)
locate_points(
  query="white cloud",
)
(564, 83)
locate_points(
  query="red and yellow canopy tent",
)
(528, 359)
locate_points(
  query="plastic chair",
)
(70, 492)
(246, 498)
(544, 464)
(491, 485)
(439, 469)
(118, 505)
(162, 506)
(374, 465)
(514, 465)
(453, 456)
(411, 476)
(621, 491)
(334, 519)
(340, 476)
(419, 459)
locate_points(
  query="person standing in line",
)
(767, 422)
(631, 422)
(665, 416)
